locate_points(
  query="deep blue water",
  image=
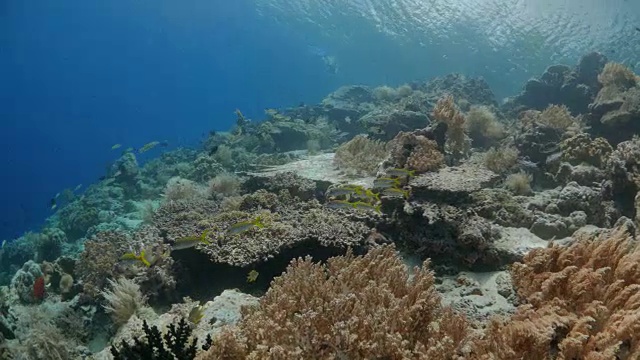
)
(80, 76)
(77, 77)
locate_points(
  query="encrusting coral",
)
(582, 302)
(367, 307)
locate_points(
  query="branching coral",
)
(446, 111)
(123, 300)
(415, 152)
(583, 302)
(351, 308)
(360, 155)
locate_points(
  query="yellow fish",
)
(191, 241)
(196, 314)
(148, 146)
(252, 276)
(116, 146)
(133, 258)
(366, 206)
(245, 225)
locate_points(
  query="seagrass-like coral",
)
(483, 126)
(124, 299)
(557, 117)
(349, 308)
(582, 302)
(501, 160)
(360, 155)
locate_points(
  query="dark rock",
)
(576, 88)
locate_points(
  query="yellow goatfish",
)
(191, 241)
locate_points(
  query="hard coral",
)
(581, 148)
(98, 259)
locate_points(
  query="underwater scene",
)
(313, 179)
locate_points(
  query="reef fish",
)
(191, 241)
(396, 192)
(148, 146)
(401, 172)
(252, 276)
(116, 146)
(196, 314)
(243, 226)
(360, 205)
(134, 258)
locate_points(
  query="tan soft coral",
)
(352, 308)
(446, 111)
(583, 302)
(415, 152)
(360, 156)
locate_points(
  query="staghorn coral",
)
(581, 148)
(360, 156)
(365, 307)
(445, 111)
(124, 299)
(415, 152)
(582, 302)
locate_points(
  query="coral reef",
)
(415, 152)
(360, 156)
(580, 303)
(303, 314)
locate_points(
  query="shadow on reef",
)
(201, 279)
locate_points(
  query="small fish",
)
(191, 241)
(77, 187)
(53, 204)
(396, 192)
(252, 276)
(4, 242)
(638, 29)
(340, 191)
(148, 146)
(339, 204)
(401, 172)
(383, 183)
(243, 226)
(57, 196)
(360, 205)
(196, 314)
(367, 194)
(271, 112)
(116, 146)
(102, 177)
(134, 258)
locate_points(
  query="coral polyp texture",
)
(424, 221)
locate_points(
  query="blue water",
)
(80, 76)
